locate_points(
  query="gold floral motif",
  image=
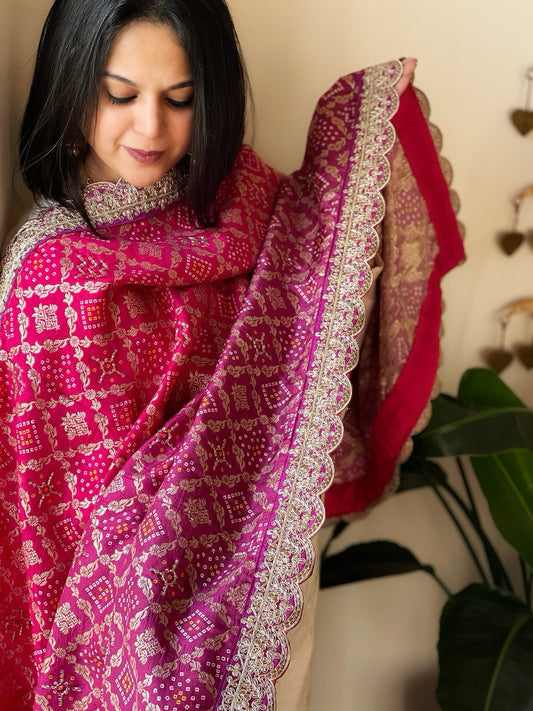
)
(263, 651)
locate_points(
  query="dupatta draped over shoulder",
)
(174, 402)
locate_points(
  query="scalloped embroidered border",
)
(425, 415)
(105, 203)
(447, 172)
(276, 603)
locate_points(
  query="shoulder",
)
(251, 175)
(43, 224)
(249, 160)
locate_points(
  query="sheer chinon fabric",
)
(170, 398)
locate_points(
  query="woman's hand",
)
(409, 66)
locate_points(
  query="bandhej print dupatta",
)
(171, 398)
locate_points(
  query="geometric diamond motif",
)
(119, 528)
(308, 291)
(28, 437)
(237, 507)
(150, 528)
(101, 593)
(218, 665)
(124, 414)
(209, 565)
(93, 313)
(66, 534)
(195, 626)
(179, 694)
(59, 373)
(197, 268)
(226, 306)
(92, 656)
(275, 394)
(125, 684)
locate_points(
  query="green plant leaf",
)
(487, 417)
(476, 432)
(418, 472)
(505, 478)
(445, 409)
(507, 482)
(365, 561)
(485, 652)
(483, 387)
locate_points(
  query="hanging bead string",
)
(529, 78)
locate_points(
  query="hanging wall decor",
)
(523, 118)
(512, 239)
(502, 356)
(499, 358)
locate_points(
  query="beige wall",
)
(472, 60)
(376, 641)
(20, 25)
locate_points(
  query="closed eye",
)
(119, 99)
(180, 104)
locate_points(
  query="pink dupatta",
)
(208, 403)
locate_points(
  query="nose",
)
(149, 120)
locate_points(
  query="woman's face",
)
(143, 123)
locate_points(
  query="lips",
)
(144, 157)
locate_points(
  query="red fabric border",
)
(405, 403)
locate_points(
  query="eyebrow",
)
(124, 80)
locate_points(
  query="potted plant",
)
(485, 642)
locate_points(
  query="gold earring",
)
(74, 147)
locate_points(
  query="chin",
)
(144, 181)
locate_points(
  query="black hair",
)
(73, 49)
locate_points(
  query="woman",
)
(178, 322)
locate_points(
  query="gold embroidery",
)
(105, 203)
(276, 603)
